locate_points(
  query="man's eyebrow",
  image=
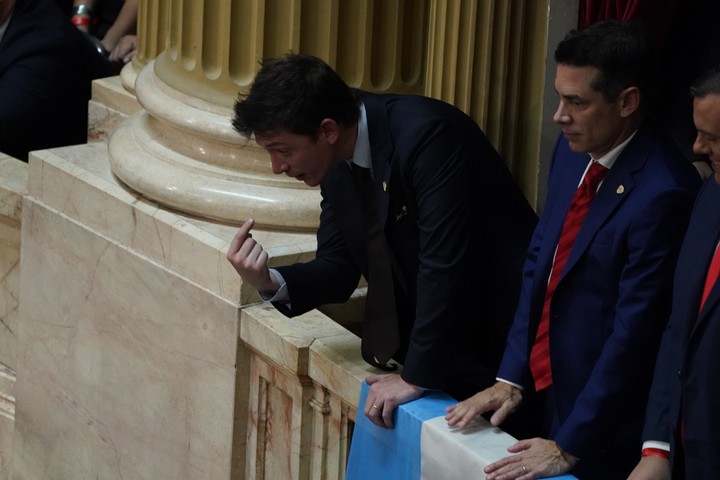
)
(574, 97)
(271, 143)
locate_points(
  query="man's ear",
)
(629, 101)
(330, 130)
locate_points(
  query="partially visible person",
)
(686, 34)
(46, 71)
(596, 288)
(452, 224)
(682, 422)
(124, 51)
(111, 25)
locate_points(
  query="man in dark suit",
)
(46, 70)
(455, 225)
(606, 307)
(682, 422)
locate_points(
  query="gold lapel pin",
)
(385, 186)
(620, 189)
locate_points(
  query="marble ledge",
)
(13, 186)
(110, 105)
(336, 363)
(78, 182)
(110, 92)
(288, 342)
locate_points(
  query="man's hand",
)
(124, 50)
(502, 398)
(250, 260)
(651, 467)
(535, 458)
(386, 393)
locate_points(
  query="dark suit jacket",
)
(46, 69)
(686, 383)
(613, 299)
(457, 225)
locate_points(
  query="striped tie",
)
(540, 354)
(712, 276)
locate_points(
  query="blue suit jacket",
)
(612, 301)
(457, 226)
(686, 383)
(46, 70)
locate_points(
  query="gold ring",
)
(375, 406)
(524, 469)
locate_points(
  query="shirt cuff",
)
(655, 444)
(509, 383)
(282, 295)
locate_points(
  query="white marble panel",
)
(126, 370)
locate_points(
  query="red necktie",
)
(712, 276)
(540, 354)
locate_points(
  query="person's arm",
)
(652, 466)
(124, 24)
(124, 50)
(83, 14)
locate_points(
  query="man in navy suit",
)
(611, 299)
(454, 223)
(683, 415)
(46, 71)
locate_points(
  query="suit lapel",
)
(571, 166)
(381, 150)
(615, 188)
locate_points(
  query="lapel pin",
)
(385, 186)
(620, 189)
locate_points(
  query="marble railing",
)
(141, 354)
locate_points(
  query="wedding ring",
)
(524, 469)
(375, 406)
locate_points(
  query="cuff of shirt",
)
(509, 383)
(282, 294)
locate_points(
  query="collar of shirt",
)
(361, 154)
(608, 160)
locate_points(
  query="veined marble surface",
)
(13, 184)
(130, 363)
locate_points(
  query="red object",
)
(655, 452)
(80, 20)
(540, 354)
(712, 276)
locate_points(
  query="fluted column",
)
(181, 151)
(487, 57)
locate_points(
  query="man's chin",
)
(310, 183)
(576, 147)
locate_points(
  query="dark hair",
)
(620, 50)
(295, 93)
(706, 84)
